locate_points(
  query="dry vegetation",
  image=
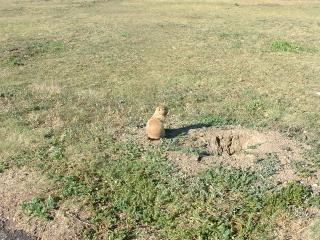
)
(79, 79)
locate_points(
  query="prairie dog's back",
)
(155, 125)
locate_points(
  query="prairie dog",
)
(155, 125)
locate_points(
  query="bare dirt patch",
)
(19, 185)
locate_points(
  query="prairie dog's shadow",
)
(175, 132)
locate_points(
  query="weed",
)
(142, 192)
(40, 207)
(45, 46)
(235, 38)
(3, 166)
(56, 153)
(49, 133)
(255, 146)
(285, 46)
(16, 60)
(140, 187)
(21, 158)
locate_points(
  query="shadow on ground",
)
(175, 132)
(8, 234)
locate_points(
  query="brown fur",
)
(155, 125)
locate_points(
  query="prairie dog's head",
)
(161, 111)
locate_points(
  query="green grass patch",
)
(215, 120)
(285, 46)
(295, 194)
(40, 207)
(73, 186)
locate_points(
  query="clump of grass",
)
(285, 46)
(20, 55)
(40, 207)
(16, 60)
(3, 166)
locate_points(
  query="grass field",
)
(79, 79)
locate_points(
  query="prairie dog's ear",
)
(165, 110)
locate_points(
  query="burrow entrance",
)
(228, 143)
(229, 140)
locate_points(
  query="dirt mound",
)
(268, 152)
(220, 141)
